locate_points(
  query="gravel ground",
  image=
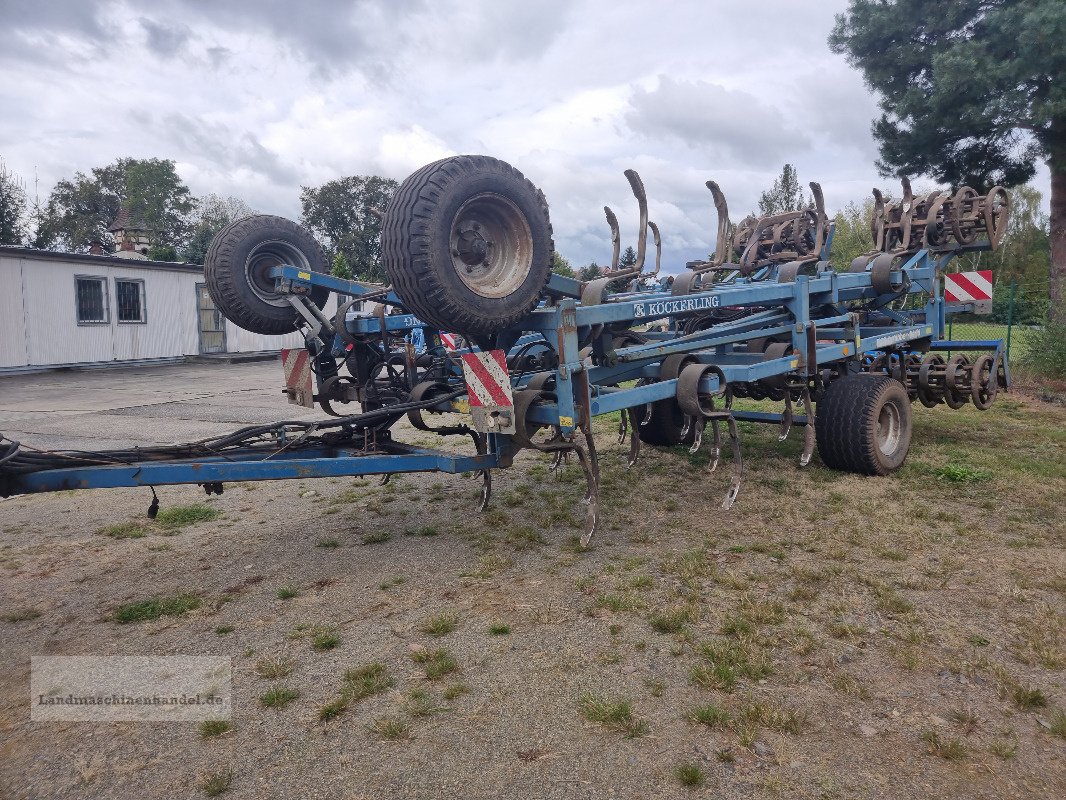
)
(847, 637)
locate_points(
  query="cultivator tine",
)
(716, 449)
(616, 239)
(738, 465)
(637, 185)
(721, 244)
(786, 418)
(698, 426)
(634, 437)
(385, 479)
(658, 249)
(623, 426)
(809, 429)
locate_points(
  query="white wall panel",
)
(12, 319)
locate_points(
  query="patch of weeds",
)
(222, 630)
(215, 727)
(1006, 748)
(961, 473)
(367, 680)
(890, 602)
(436, 663)
(722, 663)
(216, 783)
(950, 749)
(655, 687)
(440, 624)
(670, 621)
(890, 555)
(614, 715)
(802, 594)
(21, 615)
(709, 715)
(420, 703)
(391, 728)
(966, 720)
(977, 640)
(396, 580)
(690, 775)
(488, 566)
(125, 530)
(1057, 726)
(786, 720)
(324, 637)
(174, 517)
(273, 668)
(327, 544)
(333, 709)
(1028, 697)
(288, 592)
(737, 626)
(725, 755)
(499, 629)
(375, 537)
(278, 696)
(641, 582)
(157, 607)
(455, 690)
(524, 537)
(845, 630)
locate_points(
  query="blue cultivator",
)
(467, 246)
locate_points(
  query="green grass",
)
(324, 638)
(962, 473)
(1058, 723)
(125, 530)
(690, 775)
(722, 663)
(440, 624)
(616, 715)
(215, 727)
(670, 621)
(21, 615)
(278, 696)
(216, 783)
(949, 749)
(288, 592)
(436, 663)
(273, 668)
(333, 709)
(1028, 697)
(222, 630)
(391, 728)
(709, 715)
(454, 691)
(499, 629)
(157, 607)
(174, 517)
(375, 537)
(367, 680)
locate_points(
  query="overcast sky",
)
(255, 98)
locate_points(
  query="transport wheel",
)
(666, 424)
(864, 424)
(237, 271)
(467, 244)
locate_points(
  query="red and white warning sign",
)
(968, 287)
(297, 364)
(448, 340)
(488, 388)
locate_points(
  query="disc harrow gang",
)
(765, 319)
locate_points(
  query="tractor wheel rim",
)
(491, 245)
(889, 429)
(262, 258)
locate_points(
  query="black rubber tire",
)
(665, 425)
(864, 424)
(253, 244)
(416, 244)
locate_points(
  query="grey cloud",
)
(163, 39)
(227, 149)
(710, 118)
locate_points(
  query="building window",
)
(92, 300)
(129, 295)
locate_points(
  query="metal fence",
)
(1018, 310)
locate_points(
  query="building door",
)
(212, 323)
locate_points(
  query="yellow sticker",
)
(462, 406)
(794, 363)
(566, 422)
(304, 276)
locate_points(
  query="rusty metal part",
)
(616, 239)
(957, 381)
(658, 250)
(984, 384)
(930, 380)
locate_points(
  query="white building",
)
(70, 309)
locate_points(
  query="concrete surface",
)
(82, 409)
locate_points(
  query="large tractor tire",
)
(467, 244)
(864, 424)
(237, 271)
